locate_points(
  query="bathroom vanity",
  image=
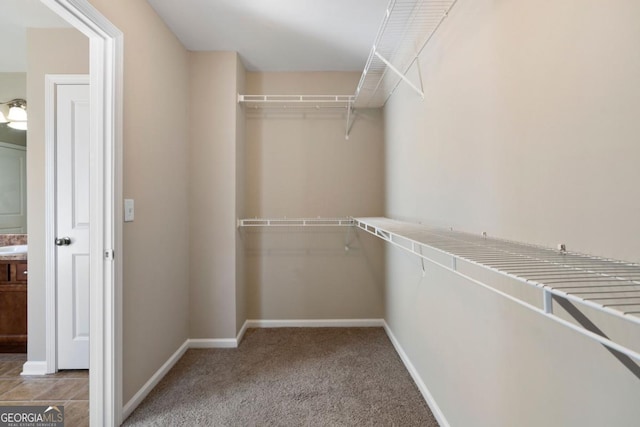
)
(13, 304)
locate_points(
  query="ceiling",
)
(270, 35)
(15, 18)
(279, 35)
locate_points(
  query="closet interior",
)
(348, 213)
(603, 287)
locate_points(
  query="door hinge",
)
(109, 254)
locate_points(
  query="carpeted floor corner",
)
(289, 377)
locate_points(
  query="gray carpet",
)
(289, 377)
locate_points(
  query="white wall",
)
(529, 132)
(299, 165)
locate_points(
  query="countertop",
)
(13, 239)
(17, 257)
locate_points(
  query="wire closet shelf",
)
(303, 104)
(608, 286)
(296, 222)
(605, 285)
(293, 102)
(407, 27)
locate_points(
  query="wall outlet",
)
(128, 210)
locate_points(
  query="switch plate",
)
(128, 210)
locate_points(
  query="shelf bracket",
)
(547, 301)
(419, 91)
(350, 119)
(347, 240)
(424, 270)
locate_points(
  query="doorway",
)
(105, 251)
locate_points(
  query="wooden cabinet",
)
(21, 271)
(13, 306)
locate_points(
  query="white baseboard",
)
(316, 323)
(252, 323)
(219, 342)
(132, 404)
(213, 343)
(244, 328)
(428, 397)
(34, 368)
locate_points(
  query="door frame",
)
(51, 311)
(106, 82)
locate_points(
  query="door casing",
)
(106, 82)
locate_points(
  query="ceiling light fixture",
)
(17, 117)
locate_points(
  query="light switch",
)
(128, 210)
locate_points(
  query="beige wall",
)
(49, 51)
(213, 84)
(187, 164)
(300, 165)
(156, 137)
(12, 86)
(241, 152)
(529, 132)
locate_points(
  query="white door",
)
(13, 189)
(72, 225)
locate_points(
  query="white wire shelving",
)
(407, 27)
(608, 286)
(316, 102)
(296, 222)
(301, 103)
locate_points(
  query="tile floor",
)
(66, 388)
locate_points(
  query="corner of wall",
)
(216, 292)
(241, 298)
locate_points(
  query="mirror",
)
(13, 85)
(13, 159)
